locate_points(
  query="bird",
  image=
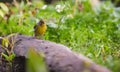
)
(40, 29)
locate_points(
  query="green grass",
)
(96, 34)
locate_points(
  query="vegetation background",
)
(93, 31)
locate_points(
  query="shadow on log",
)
(59, 58)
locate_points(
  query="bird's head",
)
(41, 22)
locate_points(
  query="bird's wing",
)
(35, 26)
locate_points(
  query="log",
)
(59, 58)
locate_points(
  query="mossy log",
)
(59, 58)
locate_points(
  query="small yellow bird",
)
(40, 29)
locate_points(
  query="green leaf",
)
(6, 56)
(4, 7)
(5, 42)
(36, 62)
(1, 13)
(11, 57)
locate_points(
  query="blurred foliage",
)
(3, 10)
(94, 32)
(36, 62)
(7, 46)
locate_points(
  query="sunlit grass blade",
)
(36, 62)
